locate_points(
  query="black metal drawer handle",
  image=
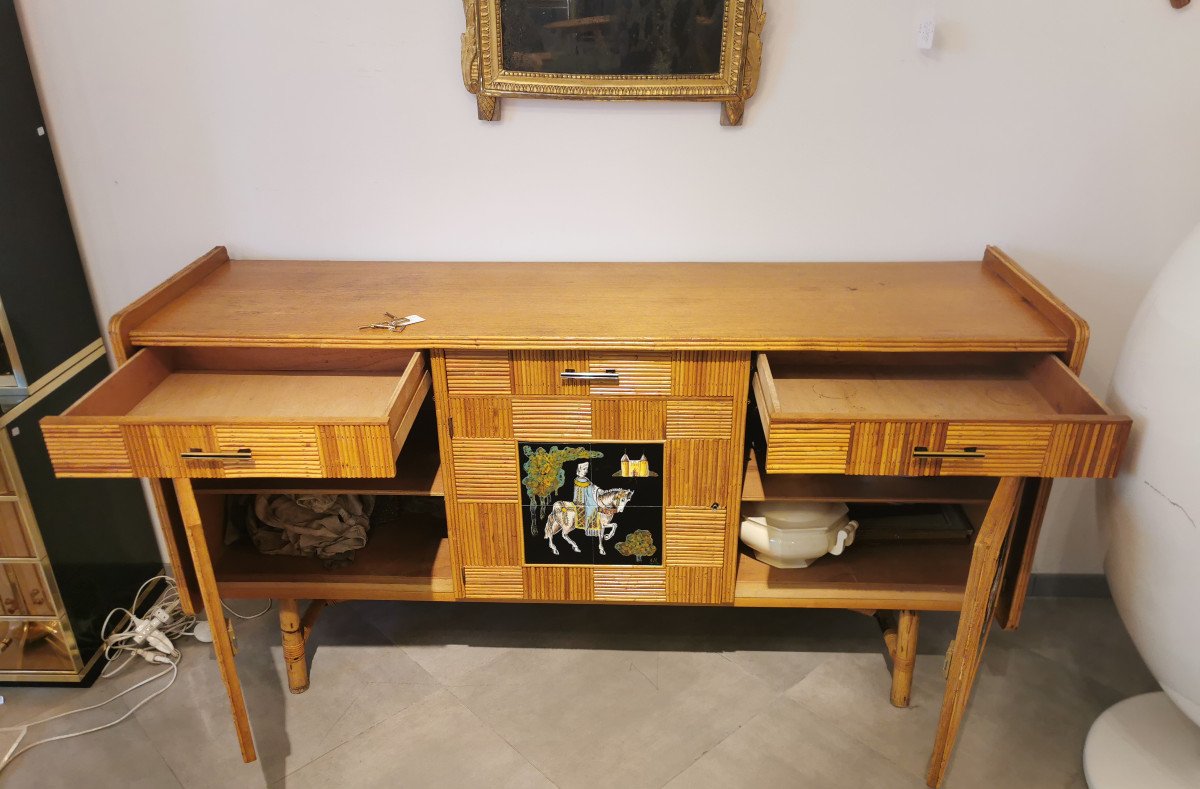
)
(607, 375)
(965, 452)
(195, 454)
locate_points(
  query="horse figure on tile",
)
(565, 518)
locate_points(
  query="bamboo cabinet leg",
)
(904, 657)
(222, 644)
(986, 559)
(900, 637)
(294, 658)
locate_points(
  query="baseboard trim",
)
(1068, 585)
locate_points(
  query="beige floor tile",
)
(119, 756)
(789, 746)
(779, 669)
(613, 718)
(449, 664)
(437, 742)
(447, 647)
(1025, 725)
(592, 696)
(122, 756)
(1083, 634)
(34, 702)
(358, 679)
(1086, 636)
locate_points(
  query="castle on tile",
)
(635, 468)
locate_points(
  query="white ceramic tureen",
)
(796, 534)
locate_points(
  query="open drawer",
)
(242, 413)
(927, 415)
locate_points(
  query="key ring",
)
(393, 323)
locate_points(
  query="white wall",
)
(1066, 131)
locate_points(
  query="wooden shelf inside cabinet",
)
(408, 559)
(418, 471)
(922, 576)
(860, 489)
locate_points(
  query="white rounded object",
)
(1152, 510)
(791, 535)
(1144, 741)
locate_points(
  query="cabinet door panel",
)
(606, 490)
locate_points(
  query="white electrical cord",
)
(149, 638)
(172, 669)
(231, 612)
(164, 623)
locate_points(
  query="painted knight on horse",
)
(592, 509)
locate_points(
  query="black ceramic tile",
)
(602, 513)
(637, 538)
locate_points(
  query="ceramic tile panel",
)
(592, 503)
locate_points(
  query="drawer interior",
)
(164, 385)
(922, 386)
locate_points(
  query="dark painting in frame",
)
(688, 50)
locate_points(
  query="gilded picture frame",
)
(491, 75)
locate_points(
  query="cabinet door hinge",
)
(450, 422)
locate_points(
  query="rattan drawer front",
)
(478, 373)
(552, 418)
(1007, 450)
(630, 584)
(700, 418)
(600, 373)
(574, 584)
(540, 372)
(632, 374)
(81, 450)
(629, 418)
(493, 583)
(1004, 416)
(694, 585)
(219, 451)
(150, 419)
(1092, 450)
(890, 448)
(808, 448)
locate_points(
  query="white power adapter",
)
(150, 656)
(146, 631)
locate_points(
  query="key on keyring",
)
(393, 323)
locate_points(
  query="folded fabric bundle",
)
(330, 527)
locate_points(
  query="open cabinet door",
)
(222, 640)
(979, 600)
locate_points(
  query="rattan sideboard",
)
(715, 384)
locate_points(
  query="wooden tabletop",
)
(748, 306)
